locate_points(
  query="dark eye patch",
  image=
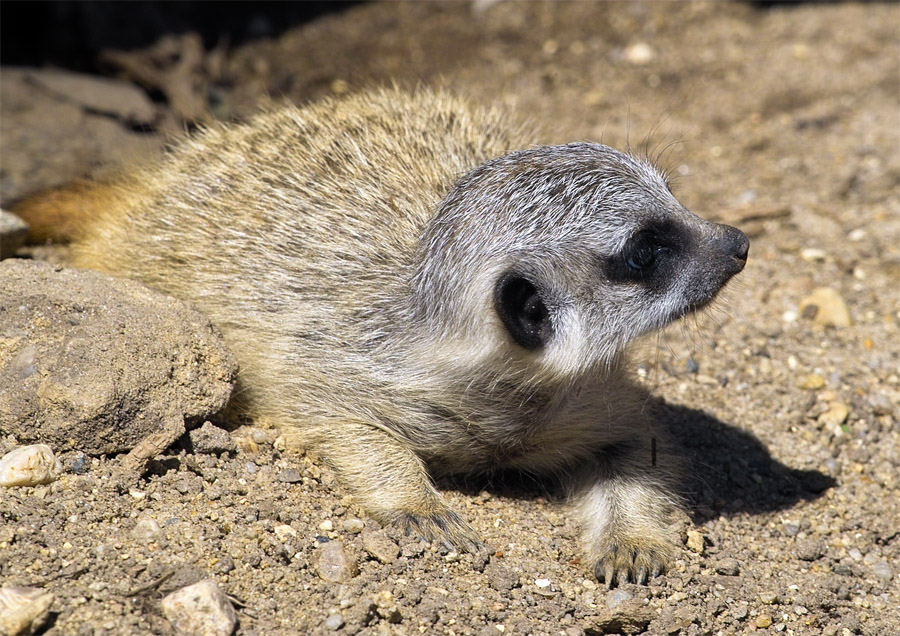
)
(649, 256)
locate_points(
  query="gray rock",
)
(333, 564)
(791, 529)
(353, 525)
(211, 440)
(290, 476)
(618, 596)
(377, 544)
(728, 567)
(13, 231)
(48, 139)
(111, 97)
(632, 617)
(883, 572)
(334, 622)
(500, 577)
(810, 550)
(200, 609)
(145, 530)
(102, 365)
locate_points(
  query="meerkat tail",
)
(64, 213)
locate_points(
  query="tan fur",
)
(364, 321)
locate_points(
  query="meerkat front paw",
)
(443, 526)
(627, 529)
(633, 559)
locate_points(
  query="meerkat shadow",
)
(728, 470)
(725, 470)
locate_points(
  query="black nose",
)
(735, 242)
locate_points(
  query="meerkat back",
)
(284, 229)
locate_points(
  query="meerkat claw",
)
(446, 528)
(620, 565)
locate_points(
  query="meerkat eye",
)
(642, 251)
(522, 310)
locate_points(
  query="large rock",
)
(13, 231)
(98, 364)
(56, 127)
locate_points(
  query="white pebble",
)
(145, 529)
(639, 53)
(200, 609)
(326, 526)
(542, 582)
(284, 532)
(29, 466)
(812, 254)
(23, 609)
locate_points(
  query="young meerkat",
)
(416, 300)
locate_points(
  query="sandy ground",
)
(784, 121)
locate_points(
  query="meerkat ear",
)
(522, 310)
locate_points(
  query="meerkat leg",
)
(392, 484)
(626, 521)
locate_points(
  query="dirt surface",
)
(784, 121)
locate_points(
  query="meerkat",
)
(418, 293)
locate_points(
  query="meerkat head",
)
(560, 256)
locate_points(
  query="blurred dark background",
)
(71, 33)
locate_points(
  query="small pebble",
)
(333, 564)
(211, 440)
(811, 381)
(826, 307)
(542, 582)
(728, 567)
(353, 525)
(326, 526)
(380, 546)
(290, 476)
(201, 608)
(145, 529)
(23, 610)
(334, 622)
(500, 577)
(810, 550)
(883, 572)
(812, 254)
(835, 415)
(639, 53)
(251, 467)
(791, 529)
(695, 541)
(618, 596)
(284, 532)
(29, 466)
(740, 611)
(763, 621)
(881, 404)
(78, 464)
(768, 597)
